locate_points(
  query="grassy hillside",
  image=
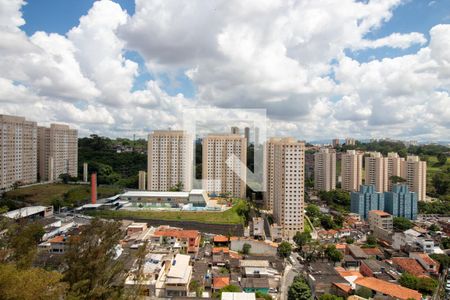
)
(234, 215)
(58, 193)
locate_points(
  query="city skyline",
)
(95, 67)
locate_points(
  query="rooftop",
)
(151, 194)
(220, 282)
(244, 263)
(180, 270)
(178, 233)
(238, 296)
(409, 265)
(24, 212)
(380, 213)
(387, 288)
(220, 239)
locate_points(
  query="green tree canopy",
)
(330, 297)
(299, 290)
(246, 248)
(92, 267)
(302, 238)
(402, 223)
(284, 249)
(313, 211)
(364, 292)
(333, 254)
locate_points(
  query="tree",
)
(313, 211)
(177, 187)
(229, 288)
(33, 283)
(330, 297)
(92, 267)
(371, 240)
(349, 240)
(364, 292)
(261, 295)
(442, 159)
(397, 179)
(442, 259)
(246, 248)
(299, 290)
(434, 228)
(302, 238)
(441, 183)
(333, 254)
(327, 222)
(424, 285)
(445, 242)
(402, 223)
(408, 280)
(284, 249)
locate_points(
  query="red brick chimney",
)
(94, 188)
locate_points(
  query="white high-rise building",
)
(285, 177)
(325, 170)
(415, 172)
(394, 167)
(170, 160)
(18, 151)
(351, 170)
(376, 171)
(57, 152)
(217, 175)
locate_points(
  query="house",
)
(429, 264)
(186, 240)
(253, 285)
(373, 253)
(57, 244)
(135, 228)
(30, 213)
(321, 278)
(378, 269)
(267, 248)
(179, 276)
(258, 227)
(219, 282)
(220, 241)
(381, 288)
(356, 252)
(410, 265)
(349, 275)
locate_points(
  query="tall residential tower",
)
(376, 171)
(325, 170)
(351, 170)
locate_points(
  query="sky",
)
(320, 68)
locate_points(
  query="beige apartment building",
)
(18, 151)
(351, 170)
(57, 152)
(376, 171)
(285, 174)
(170, 160)
(381, 219)
(415, 172)
(394, 162)
(142, 180)
(350, 141)
(217, 175)
(325, 170)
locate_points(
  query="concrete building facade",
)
(380, 219)
(217, 176)
(142, 180)
(18, 151)
(394, 162)
(401, 202)
(365, 200)
(415, 172)
(376, 171)
(170, 160)
(351, 170)
(57, 152)
(286, 183)
(325, 170)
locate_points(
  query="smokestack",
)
(94, 188)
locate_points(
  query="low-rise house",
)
(186, 240)
(258, 227)
(135, 228)
(381, 219)
(253, 285)
(219, 282)
(381, 288)
(410, 265)
(257, 247)
(373, 253)
(412, 241)
(321, 278)
(179, 276)
(356, 252)
(429, 264)
(220, 241)
(57, 244)
(378, 269)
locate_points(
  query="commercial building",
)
(18, 151)
(394, 164)
(401, 202)
(380, 219)
(30, 212)
(365, 200)
(285, 183)
(325, 170)
(170, 160)
(195, 197)
(247, 135)
(376, 171)
(351, 170)
(224, 159)
(57, 152)
(415, 172)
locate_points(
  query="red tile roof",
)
(220, 249)
(380, 212)
(372, 251)
(220, 239)
(178, 233)
(57, 239)
(428, 260)
(221, 282)
(387, 288)
(409, 265)
(343, 286)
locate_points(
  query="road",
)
(289, 274)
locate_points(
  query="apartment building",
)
(218, 175)
(351, 170)
(335, 143)
(401, 202)
(350, 142)
(325, 170)
(57, 152)
(415, 172)
(376, 171)
(285, 182)
(394, 163)
(365, 200)
(18, 151)
(142, 176)
(169, 160)
(381, 219)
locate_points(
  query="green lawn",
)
(230, 216)
(433, 168)
(46, 194)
